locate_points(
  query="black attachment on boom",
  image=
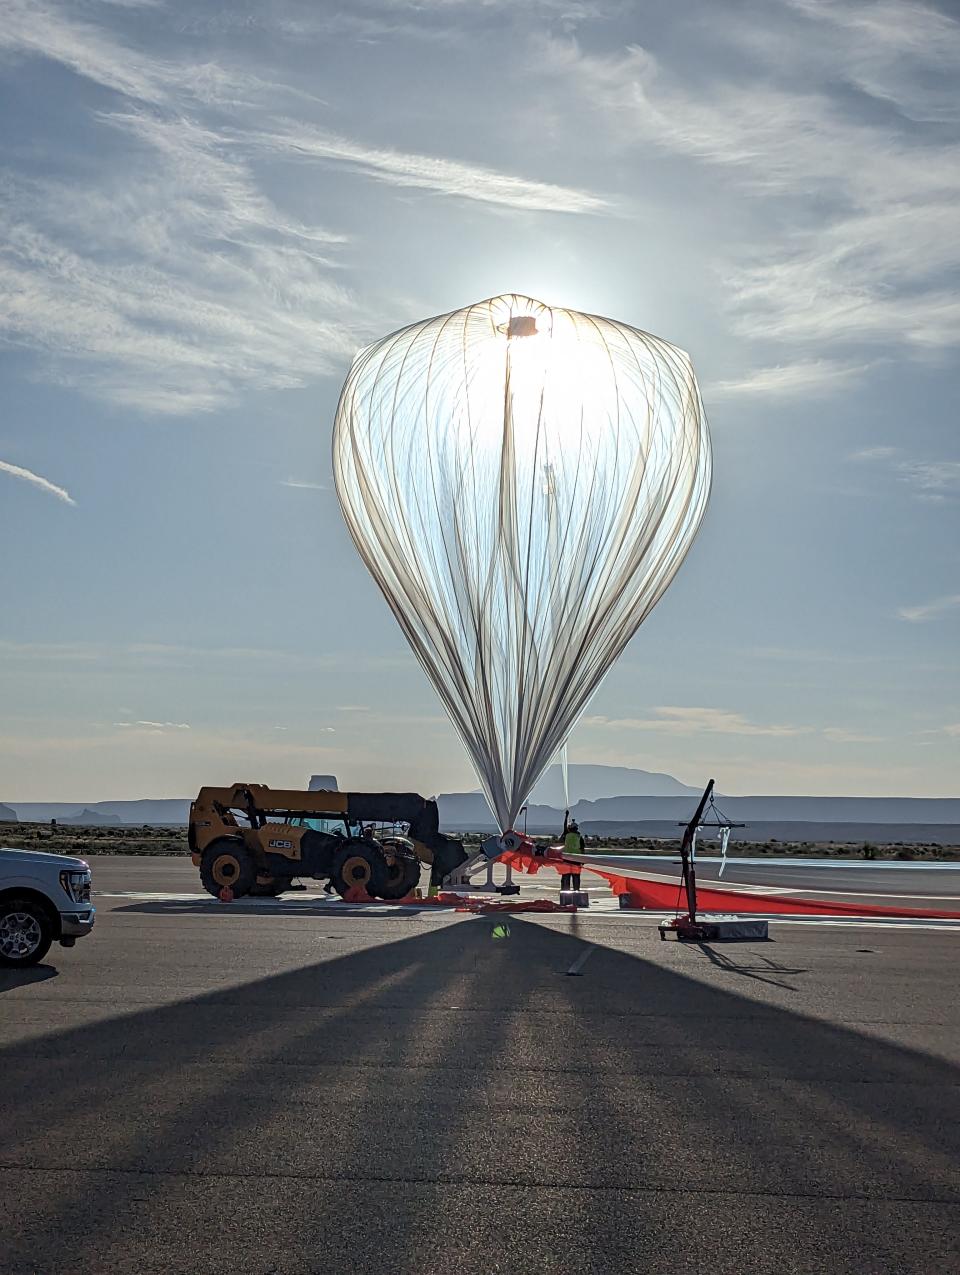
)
(688, 871)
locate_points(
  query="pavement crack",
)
(498, 1183)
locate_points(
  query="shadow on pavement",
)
(11, 979)
(447, 1103)
(762, 973)
(302, 905)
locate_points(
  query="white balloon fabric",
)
(523, 483)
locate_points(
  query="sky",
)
(206, 210)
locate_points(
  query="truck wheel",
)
(358, 863)
(227, 864)
(403, 875)
(26, 932)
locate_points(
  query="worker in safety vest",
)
(436, 882)
(572, 844)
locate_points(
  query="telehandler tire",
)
(403, 875)
(358, 863)
(227, 864)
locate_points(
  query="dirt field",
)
(168, 840)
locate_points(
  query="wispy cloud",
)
(430, 172)
(51, 31)
(930, 610)
(677, 720)
(840, 735)
(862, 199)
(937, 478)
(159, 655)
(905, 54)
(874, 453)
(686, 721)
(807, 377)
(166, 280)
(300, 485)
(372, 21)
(153, 728)
(44, 30)
(933, 480)
(17, 471)
(200, 288)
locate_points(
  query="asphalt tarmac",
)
(275, 1089)
(925, 885)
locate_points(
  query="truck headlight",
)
(76, 884)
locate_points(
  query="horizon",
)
(478, 792)
(209, 211)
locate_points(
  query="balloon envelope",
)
(523, 483)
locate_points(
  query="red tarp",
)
(664, 896)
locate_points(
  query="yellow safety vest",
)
(573, 843)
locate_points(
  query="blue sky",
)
(206, 210)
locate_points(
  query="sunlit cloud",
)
(430, 172)
(864, 253)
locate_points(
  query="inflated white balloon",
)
(523, 483)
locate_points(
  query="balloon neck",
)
(508, 842)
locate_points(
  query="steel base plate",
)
(574, 898)
(713, 928)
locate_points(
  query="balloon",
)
(523, 483)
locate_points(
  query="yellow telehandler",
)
(255, 840)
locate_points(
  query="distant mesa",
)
(593, 783)
(323, 783)
(88, 816)
(7, 814)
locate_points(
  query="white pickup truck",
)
(44, 898)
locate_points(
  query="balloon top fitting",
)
(514, 315)
(522, 325)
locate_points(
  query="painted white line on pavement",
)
(581, 960)
(865, 865)
(784, 891)
(601, 910)
(704, 883)
(312, 904)
(853, 922)
(148, 896)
